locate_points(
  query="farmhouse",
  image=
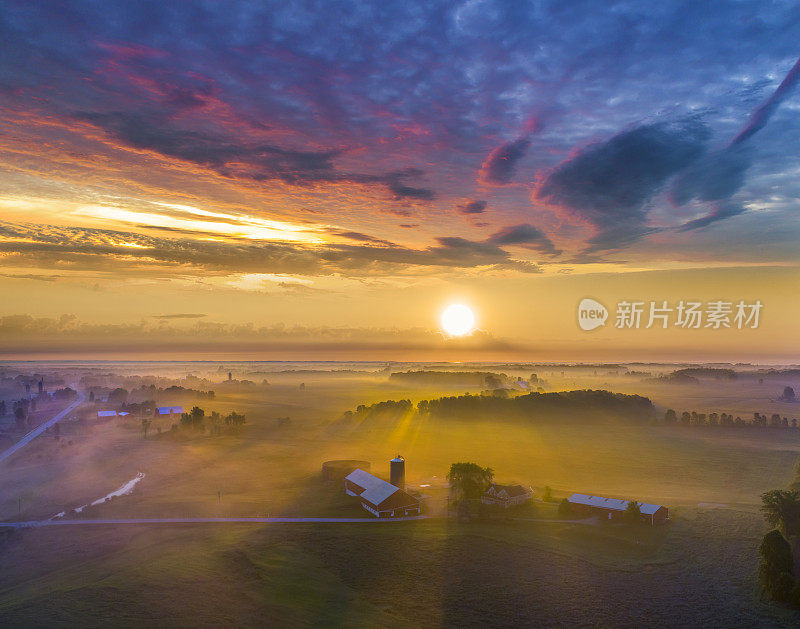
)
(506, 495)
(381, 499)
(614, 508)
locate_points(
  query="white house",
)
(506, 495)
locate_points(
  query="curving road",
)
(40, 523)
(40, 429)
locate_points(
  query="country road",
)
(41, 523)
(40, 429)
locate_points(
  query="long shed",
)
(614, 508)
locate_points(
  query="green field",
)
(436, 573)
(699, 569)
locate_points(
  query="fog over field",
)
(560, 429)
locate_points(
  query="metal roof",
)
(615, 504)
(106, 413)
(168, 410)
(376, 490)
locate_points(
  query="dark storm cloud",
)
(526, 235)
(472, 207)
(501, 163)
(610, 183)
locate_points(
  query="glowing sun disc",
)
(458, 320)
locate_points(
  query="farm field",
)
(428, 573)
(700, 568)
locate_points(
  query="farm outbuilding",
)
(506, 495)
(614, 508)
(169, 410)
(336, 471)
(381, 499)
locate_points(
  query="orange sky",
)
(252, 191)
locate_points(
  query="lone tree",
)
(198, 417)
(633, 512)
(19, 417)
(788, 395)
(781, 508)
(775, 569)
(469, 480)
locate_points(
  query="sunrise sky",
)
(319, 180)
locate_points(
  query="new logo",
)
(591, 314)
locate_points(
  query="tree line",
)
(566, 405)
(694, 418)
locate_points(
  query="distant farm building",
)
(381, 499)
(506, 495)
(169, 410)
(337, 471)
(101, 414)
(614, 508)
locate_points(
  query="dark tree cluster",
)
(706, 372)
(566, 405)
(67, 394)
(780, 548)
(391, 409)
(195, 419)
(488, 379)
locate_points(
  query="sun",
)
(458, 320)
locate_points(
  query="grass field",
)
(699, 570)
(429, 573)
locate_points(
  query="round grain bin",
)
(335, 471)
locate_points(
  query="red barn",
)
(381, 499)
